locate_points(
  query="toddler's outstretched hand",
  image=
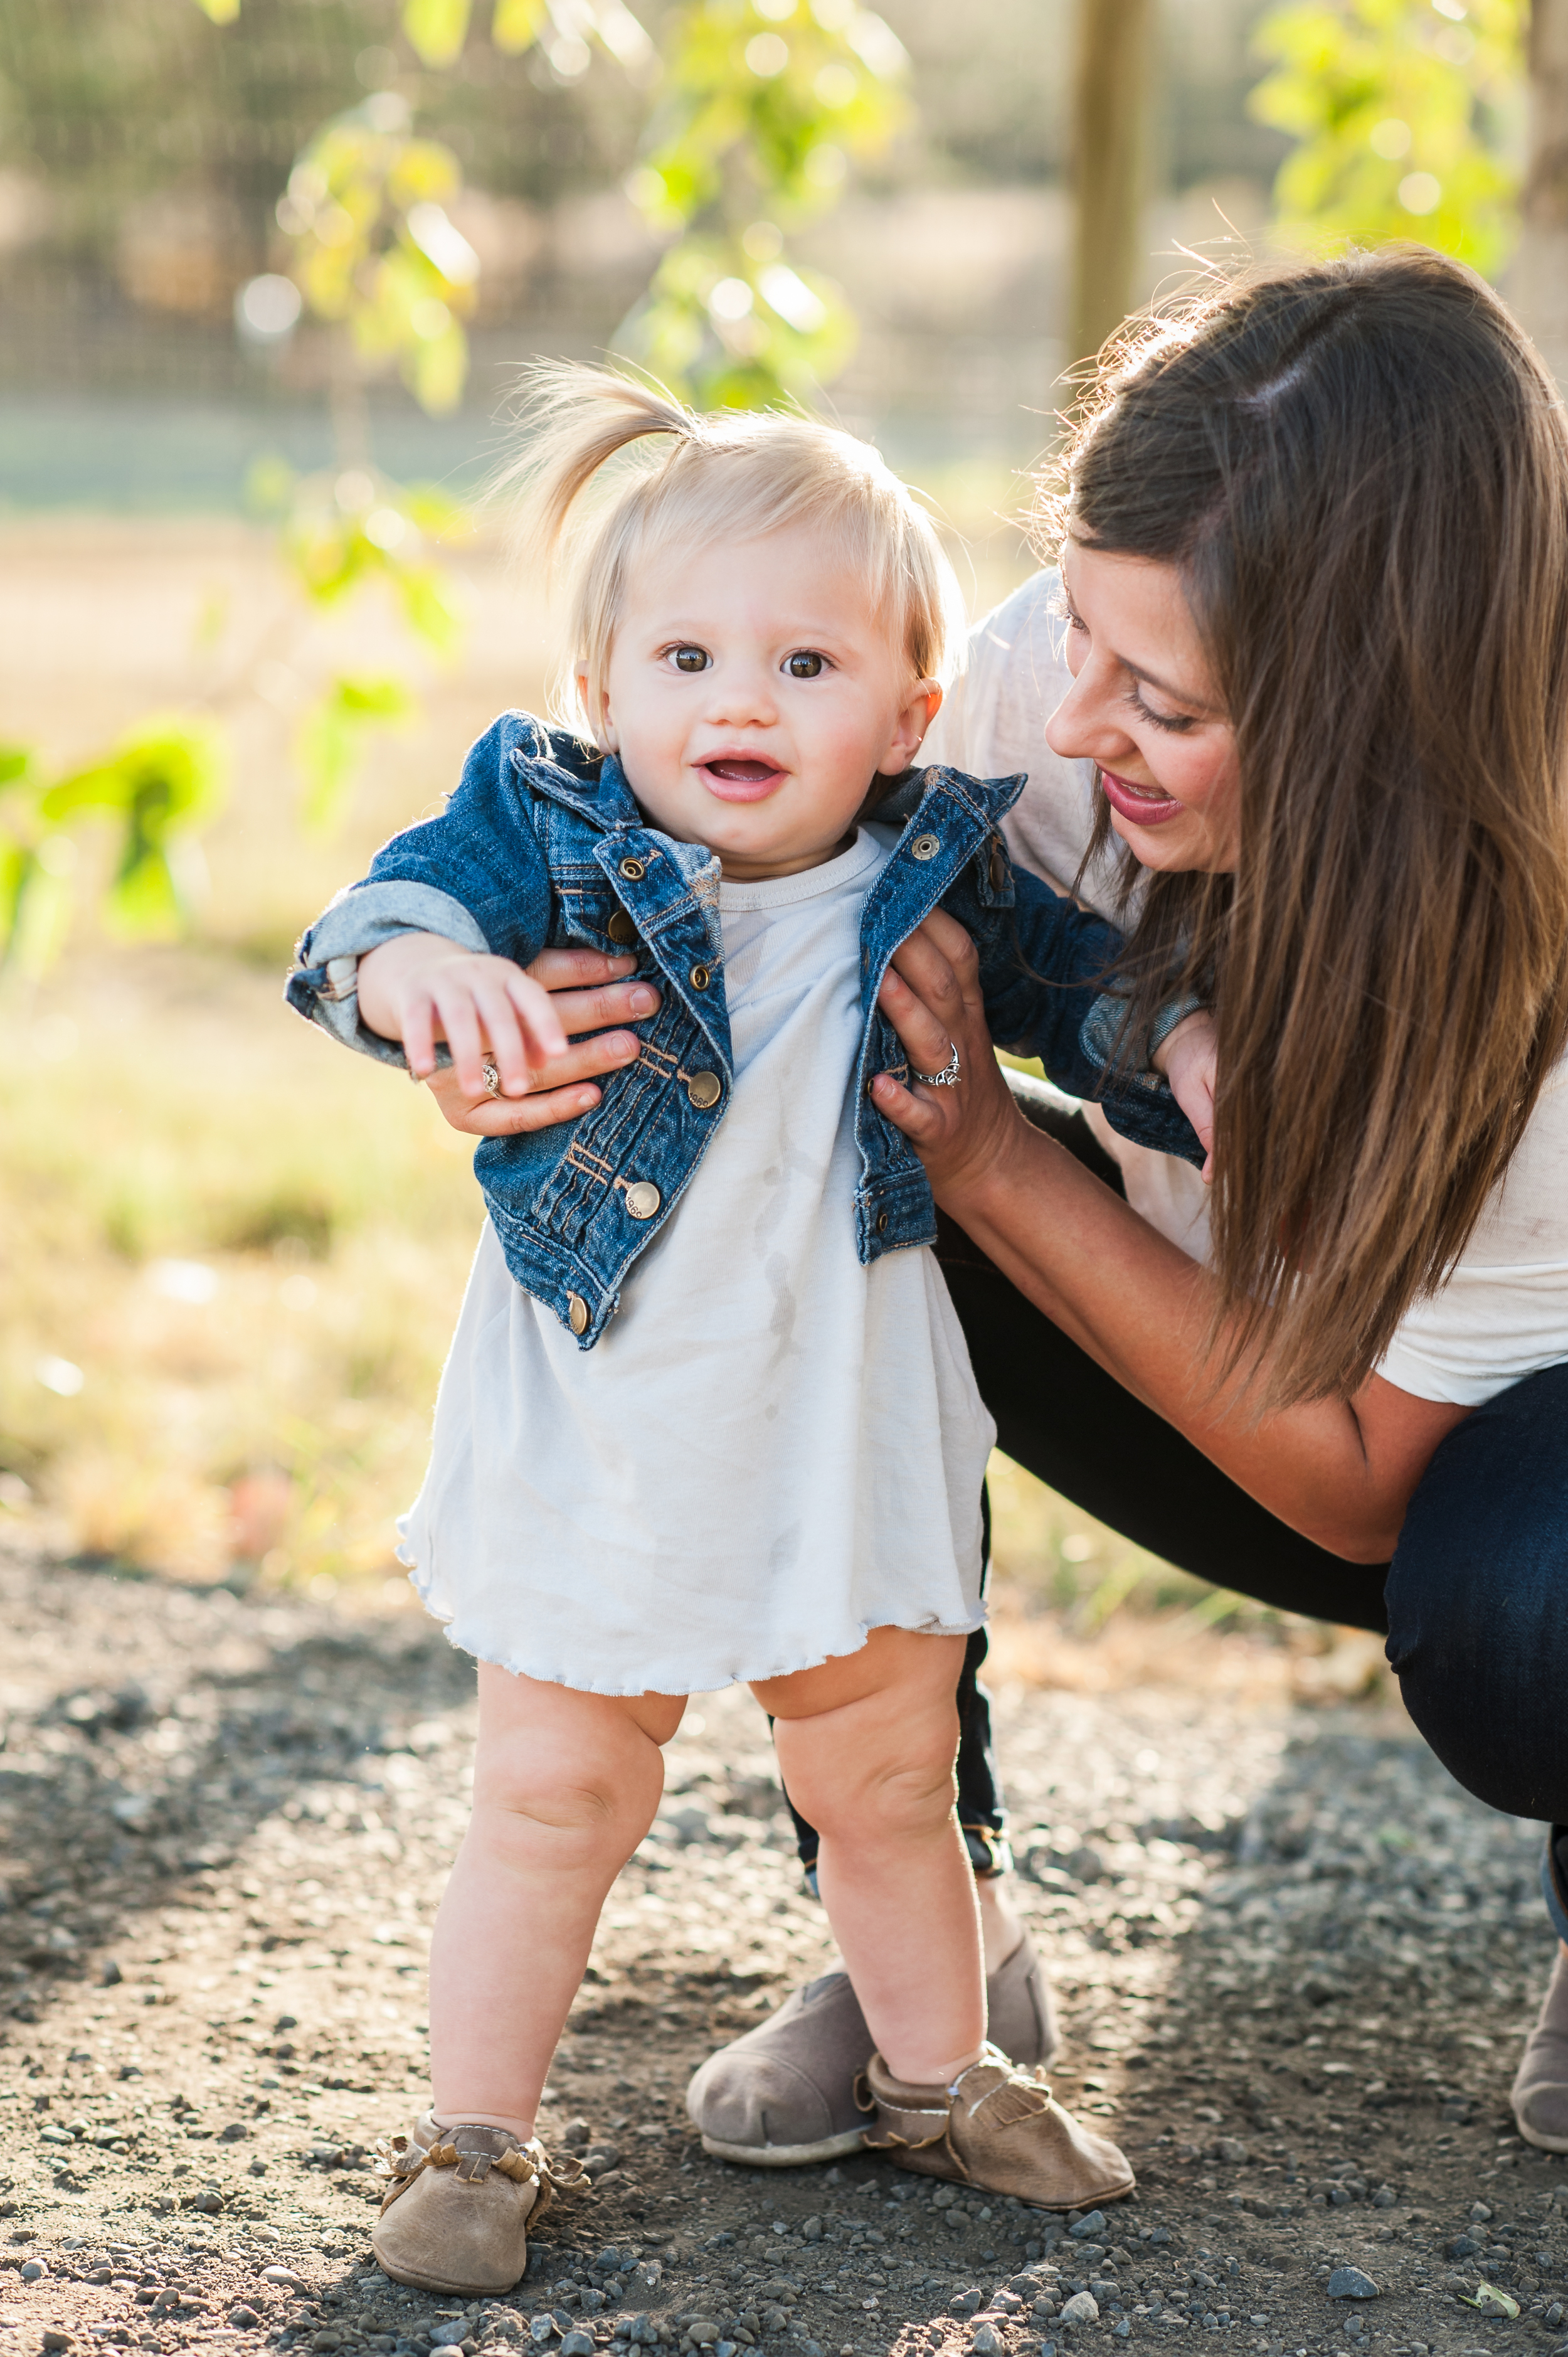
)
(419, 988)
(1189, 1059)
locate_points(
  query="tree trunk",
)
(1538, 281)
(1109, 138)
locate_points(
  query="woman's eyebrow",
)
(1152, 679)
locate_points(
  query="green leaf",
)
(170, 770)
(15, 764)
(517, 24)
(436, 28)
(429, 606)
(329, 743)
(222, 12)
(1491, 2301)
(165, 776)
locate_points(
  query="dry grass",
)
(196, 1140)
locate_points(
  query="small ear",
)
(601, 727)
(920, 710)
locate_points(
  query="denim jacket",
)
(544, 846)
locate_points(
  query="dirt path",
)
(1294, 1964)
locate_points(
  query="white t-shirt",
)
(1504, 1311)
(772, 1449)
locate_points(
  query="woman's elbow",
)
(1369, 1538)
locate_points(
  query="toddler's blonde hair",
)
(735, 475)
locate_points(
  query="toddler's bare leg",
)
(866, 1745)
(565, 1785)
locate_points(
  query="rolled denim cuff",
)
(1173, 1011)
(324, 986)
(1099, 1035)
(1551, 1887)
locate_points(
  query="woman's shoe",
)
(1540, 2092)
(998, 2128)
(456, 2210)
(784, 2093)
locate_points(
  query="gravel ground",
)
(1295, 1962)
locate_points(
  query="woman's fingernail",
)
(643, 1000)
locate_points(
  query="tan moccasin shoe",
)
(786, 2093)
(457, 2211)
(998, 2128)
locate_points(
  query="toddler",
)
(708, 1413)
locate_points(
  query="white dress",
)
(771, 1450)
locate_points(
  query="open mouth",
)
(735, 779)
(1144, 805)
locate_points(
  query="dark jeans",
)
(1473, 1603)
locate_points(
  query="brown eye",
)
(805, 666)
(691, 658)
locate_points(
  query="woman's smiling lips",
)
(1143, 805)
(735, 778)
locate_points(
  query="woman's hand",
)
(588, 991)
(930, 994)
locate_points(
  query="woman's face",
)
(1143, 709)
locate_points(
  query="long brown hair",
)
(1361, 471)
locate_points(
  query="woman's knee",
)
(1478, 1636)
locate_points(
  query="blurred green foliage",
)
(155, 790)
(760, 106)
(339, 534)
(763, 105)
(1407, 113)
(375, 250)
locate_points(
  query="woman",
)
(1315, 554)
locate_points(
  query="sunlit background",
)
(266, 269)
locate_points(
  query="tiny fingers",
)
(419, 1035)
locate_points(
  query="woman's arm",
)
(1340, 1472)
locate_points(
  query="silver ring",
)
(948, 1078)
(492, 1077)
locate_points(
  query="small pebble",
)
(987, 2342)
(32, 2269)
(1081, 2308)
(244, 2317)
(1084, 2230)
(1349, 2283)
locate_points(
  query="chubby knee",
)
(574, 1799)
(901, 1794)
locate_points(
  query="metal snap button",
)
(634, 871)
(881, 1223)
(998, 865)
(925, 847)
(576, 1313)
(620, 927)
(705, 1088)
(643, 1200)
(701, 976)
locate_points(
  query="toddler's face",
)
(752, 696)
